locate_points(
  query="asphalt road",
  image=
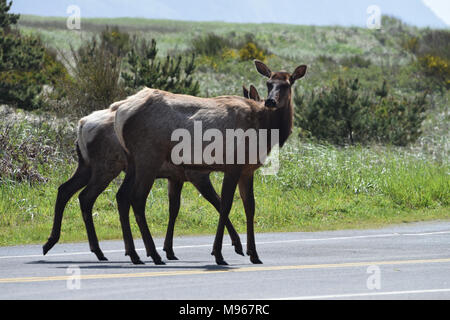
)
(410, 261)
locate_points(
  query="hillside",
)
(289, 44)
(302, 12)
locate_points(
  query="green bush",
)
(7, 19)
(437, 68)
(436, 43)
(411, 44)
(95, 81)
(326, 60)
(116, 41)
(394, 120)
(25, 65)
(21, 60)
(331, 113)
(245, 47)
(355, 62)
(346, 113)
(433, 57)
(211, 44)
(250, 51)
(146, 69)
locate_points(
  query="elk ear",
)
(254, 94)
(298, 73)
(263, 69)
(245, 91)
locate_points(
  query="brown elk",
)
(101, 159)
(145, 130)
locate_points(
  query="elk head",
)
(279, 84)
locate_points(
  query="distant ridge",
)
(304, 12)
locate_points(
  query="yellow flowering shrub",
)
(250, 51)
(437, 67)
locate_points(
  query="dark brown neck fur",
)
(285, 122)
(281, 119)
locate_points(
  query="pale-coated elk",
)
(145, 129)
(101, 159)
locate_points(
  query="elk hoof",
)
(135, 258)
(170, 254)
(99, 255)
(102, 258)
(156, 258)
(221, 262)
(50, 244)
(137, 261)
(159, 262)
(238, 248)
(255, 260)
(219, 258)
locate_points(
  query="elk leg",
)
(141, 189)
(123, 203)
(79, 180)
(206, 189)
(87, 198)
(248, 199)
(175, 188)
(229, 185)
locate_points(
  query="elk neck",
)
(281, 118)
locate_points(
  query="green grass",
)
(317, 188)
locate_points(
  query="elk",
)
(101, 159)
(145, 130)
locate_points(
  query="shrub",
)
(346, 113)
(145, 69)
(230, 54)
(437, 68)
(326, 60)
(355, 62)
(210, 45)
(116, 41)
(411, 44)
(25, 65)
(394, 120)
(21, 59)
(95, 82)
(250, 51)
(7, 19)
(245, 48)
(329, 114)
(436, 43)
(433, 57)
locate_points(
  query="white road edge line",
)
(258, 243)
(356, 295)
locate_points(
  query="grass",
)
(317, 188)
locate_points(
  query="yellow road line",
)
(244, 269)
